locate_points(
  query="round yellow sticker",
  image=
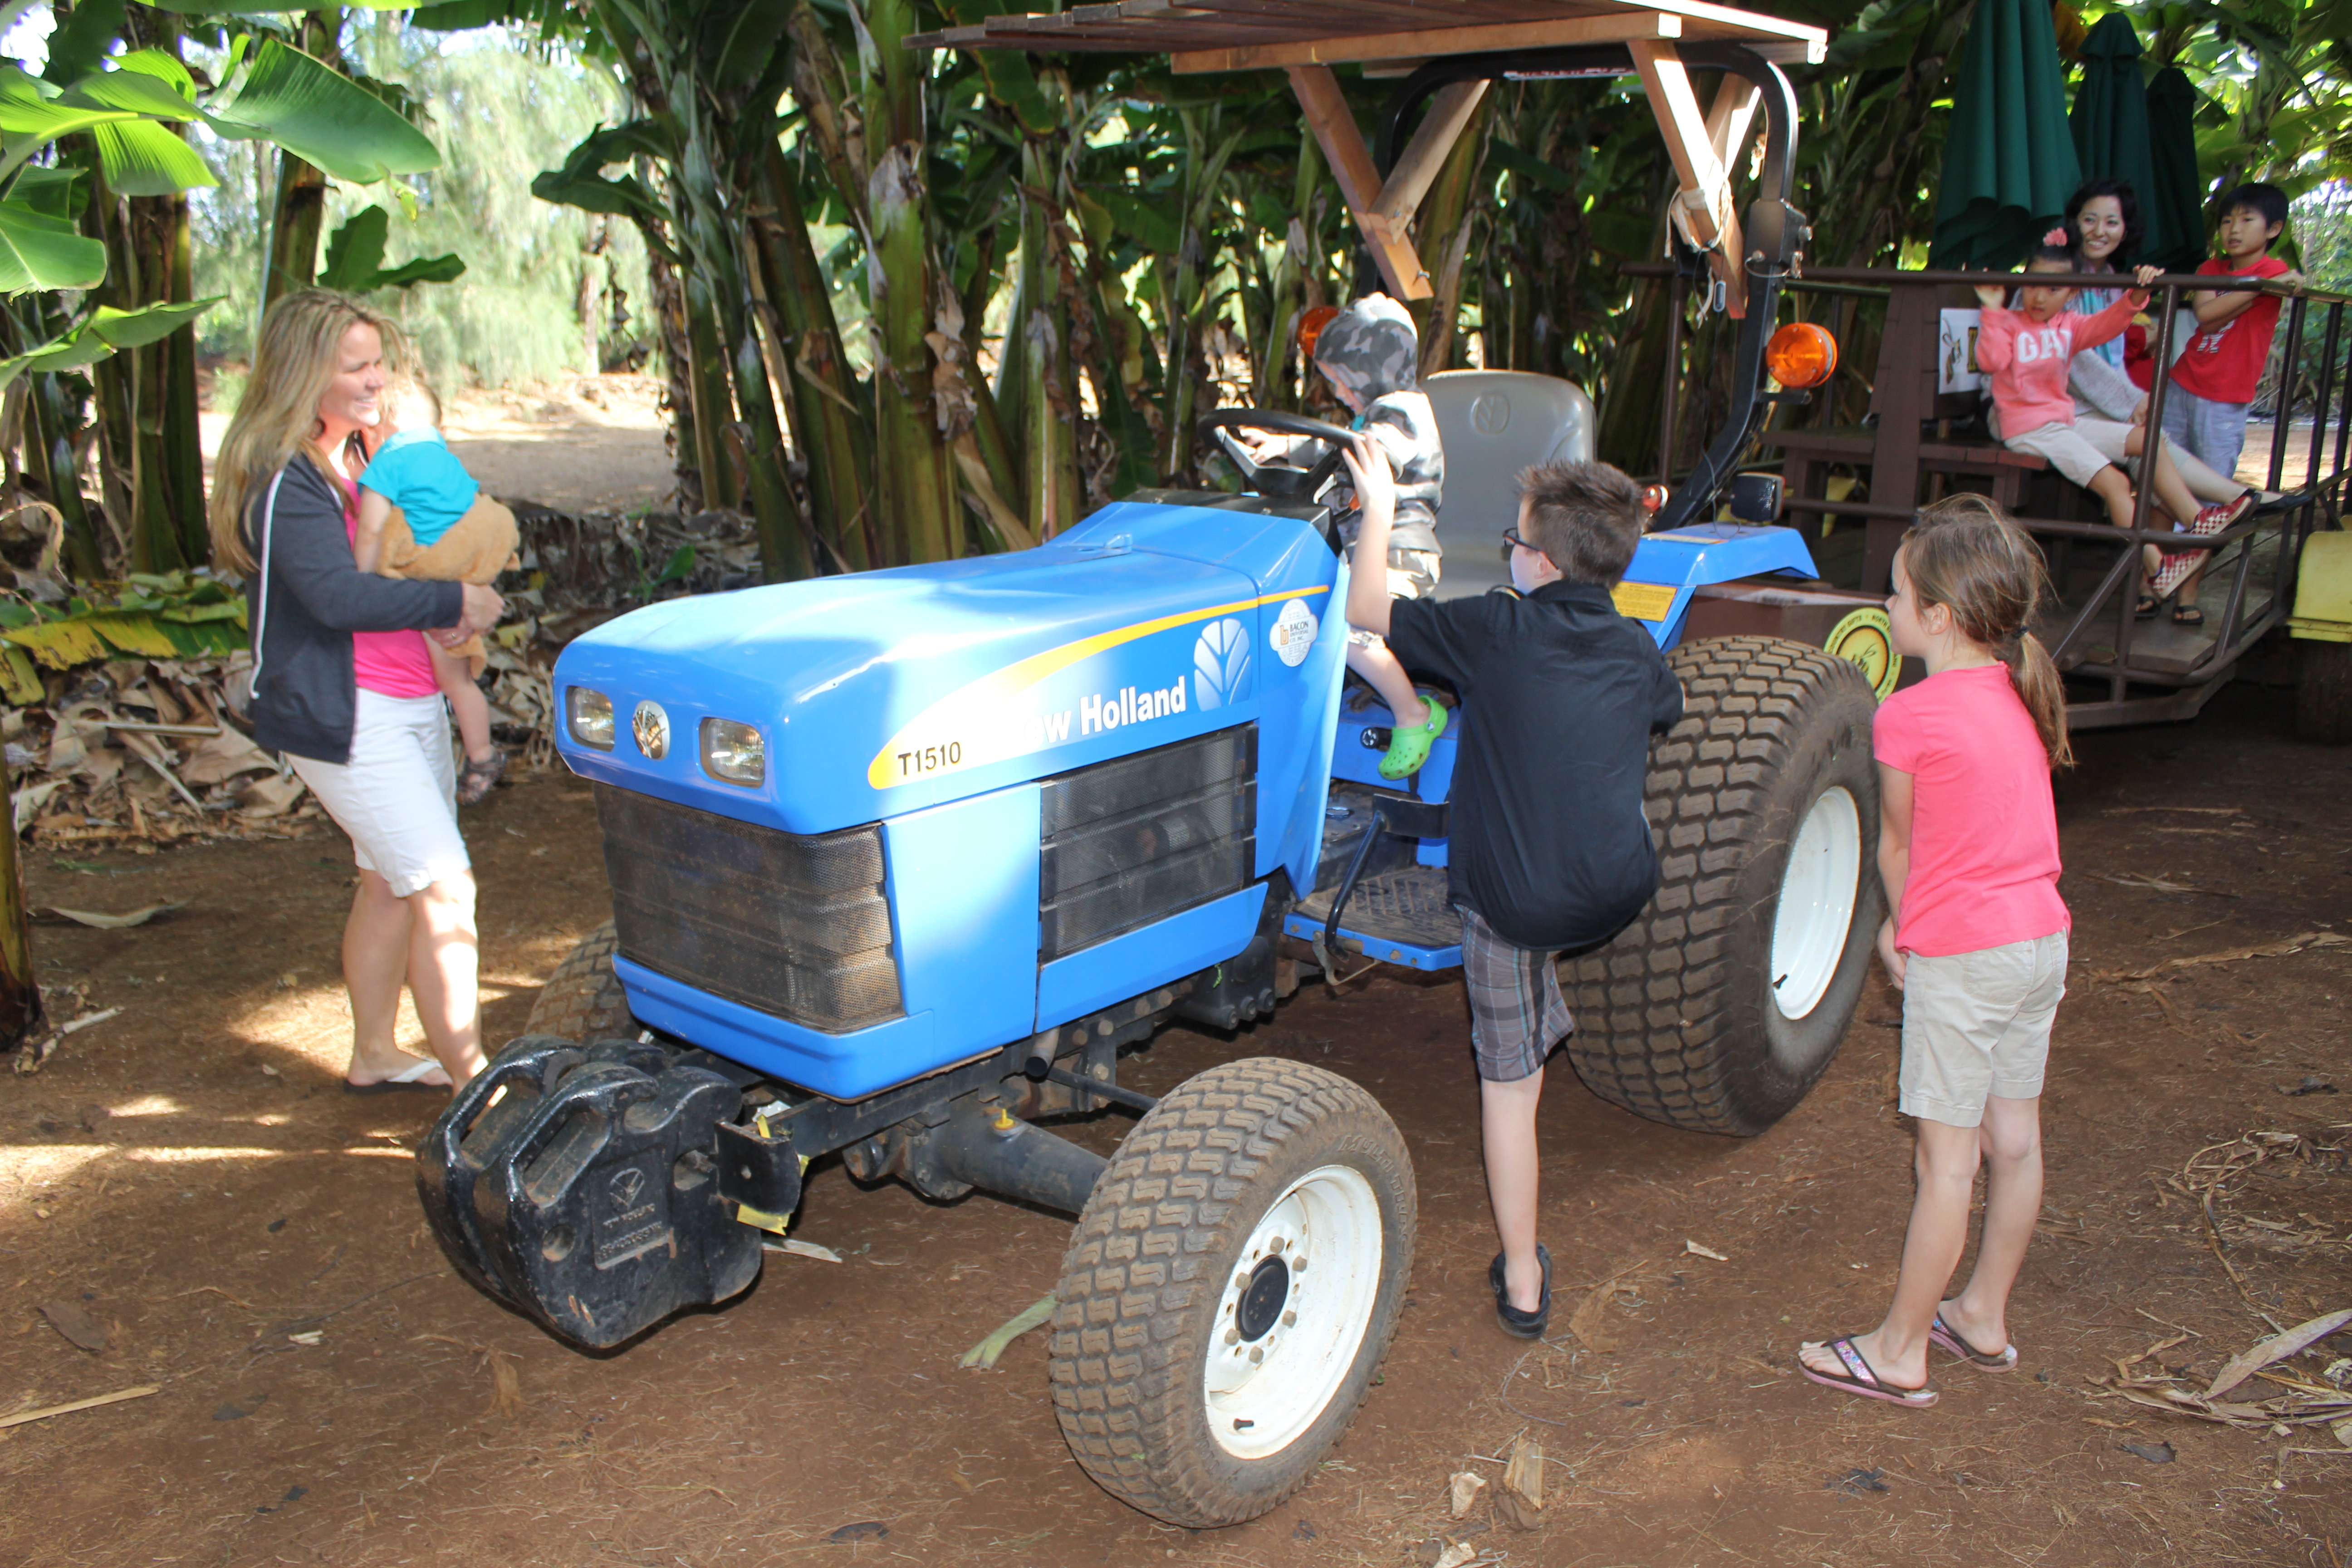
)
(1868, 637)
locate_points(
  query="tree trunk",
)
(711, 405)
(915, 480)
(822, 393)
(20, 996)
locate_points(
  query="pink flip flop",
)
(1859, 1378)
(1945, 1338)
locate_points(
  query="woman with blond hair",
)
(342, 682)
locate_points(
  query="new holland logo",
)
(650, 725)
(625, 1187)
(1221, 661)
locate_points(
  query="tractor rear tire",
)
(583, 1000)
(1231, 1287)
(2323, 692)
(1717, 1009)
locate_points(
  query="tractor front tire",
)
(583, 1000)
(1233, 1284)
(1720, 1005)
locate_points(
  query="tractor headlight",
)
(590, 714)
(733, 753)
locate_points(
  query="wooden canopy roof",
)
(1249, 35)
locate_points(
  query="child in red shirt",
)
(1977, 942)
(2029, 352)
(2214, 379)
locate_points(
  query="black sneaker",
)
(1524, 1325)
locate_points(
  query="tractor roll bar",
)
(1774, 237)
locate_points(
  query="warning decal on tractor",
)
(1643, 601)
(1868, 637)
(1011, 713)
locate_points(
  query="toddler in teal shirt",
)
(422, 515)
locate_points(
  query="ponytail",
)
(2035, 679)
(1963, 554)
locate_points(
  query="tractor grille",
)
(1135, 840)
(795, 927)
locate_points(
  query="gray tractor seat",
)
(1494, 422)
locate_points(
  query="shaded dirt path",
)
(189, 1175)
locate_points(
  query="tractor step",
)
(1401, 916)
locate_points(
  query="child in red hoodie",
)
(2027, 351)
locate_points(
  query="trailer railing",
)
(2135, 671)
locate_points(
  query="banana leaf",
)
(38, 251)
(173, 616)
(102, 333)
(322, 117)
(143, 159)
(355, 258)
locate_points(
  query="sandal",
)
(476, 779)
(1945, 1338)
(2145, 609)
(2187, 616)
(1409, 748)
(1858, 1378)
(409, 1080)
(1528, 1325)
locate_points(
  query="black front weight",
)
(594, 1202)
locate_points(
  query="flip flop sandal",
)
(1524, 1325)
(1945, 1338)
(476, 779)
(2187, 616)
(1409, 749)
(1858, 1378)
(2145, 609)
(407, 1080)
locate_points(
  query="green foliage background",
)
(502, 107)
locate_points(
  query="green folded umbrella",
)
(2174, 204)
(2110, 126)
(2009, 157)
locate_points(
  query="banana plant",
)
(94, 168)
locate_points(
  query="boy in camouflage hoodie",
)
(1371, 354)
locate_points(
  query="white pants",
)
(397, 796)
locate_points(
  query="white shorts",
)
(397, 797)
(2063, 447)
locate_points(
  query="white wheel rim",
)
(1815, 909)
(1262, 1393)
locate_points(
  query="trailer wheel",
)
(583, 1000)
(1718, 1009)
(1233, 1284)
(2323, 692)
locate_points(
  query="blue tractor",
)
(904, 863)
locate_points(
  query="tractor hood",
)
(879, 693)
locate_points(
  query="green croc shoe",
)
(1408, 748)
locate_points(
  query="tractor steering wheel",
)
(1275, 480)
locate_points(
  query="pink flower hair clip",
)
(2057, 237)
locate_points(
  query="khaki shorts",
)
(1976, 1024)
(2064, 448)
(1413, 575)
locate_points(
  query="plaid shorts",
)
(1517, 1012)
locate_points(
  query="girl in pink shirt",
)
(1977, 941)
(2029, 352)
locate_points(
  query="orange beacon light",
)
(1800, 355)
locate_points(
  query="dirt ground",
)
(607, 428)
(248, 1238)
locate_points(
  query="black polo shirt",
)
(1561, 693)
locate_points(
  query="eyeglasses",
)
(1511, 538)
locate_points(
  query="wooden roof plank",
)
(1617, 27)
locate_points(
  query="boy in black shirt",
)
(1550, 851)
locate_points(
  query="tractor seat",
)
(1494, 422)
